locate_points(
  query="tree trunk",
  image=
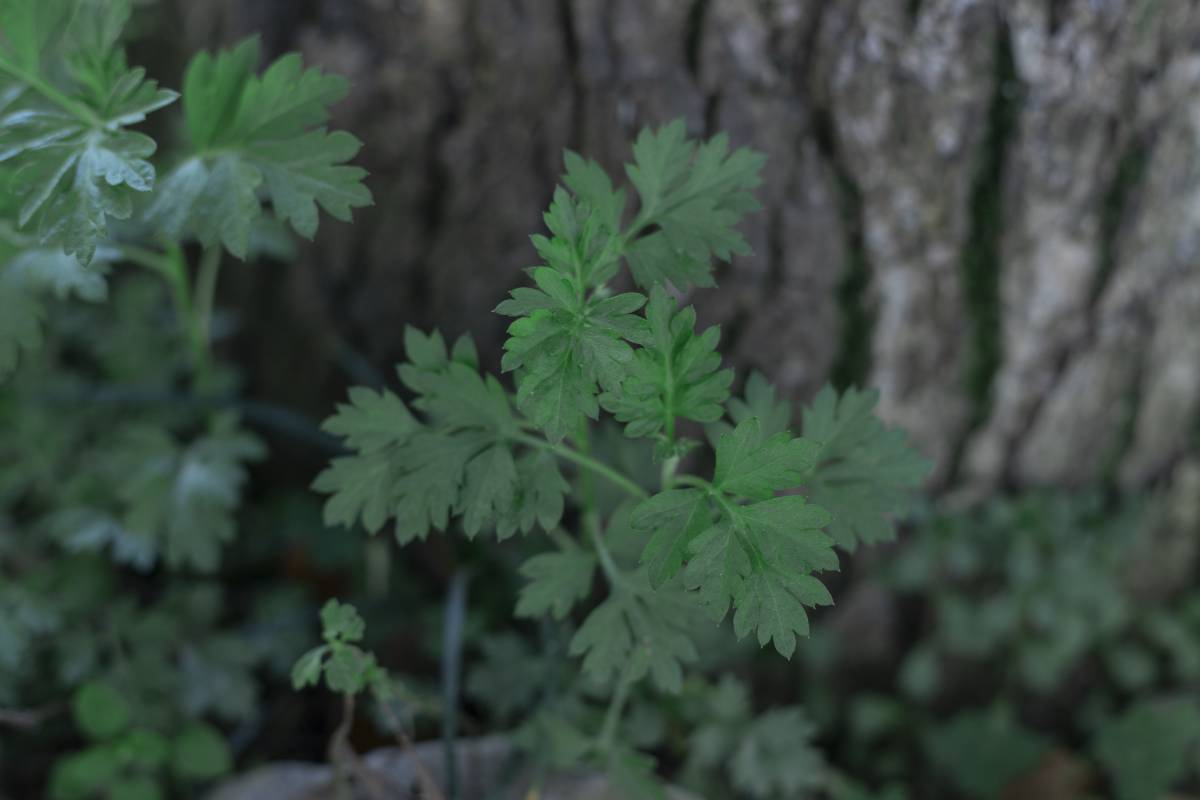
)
(986, 208)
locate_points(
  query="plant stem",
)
(699, 483)
(564, 542)
(73, 107)
(194, 319)
(608, 566)
(406, 746)
(667, 476)
(337, 747)
(177, 280)
(612, 717)
(204, 293)
(143, 257)
(585, 461)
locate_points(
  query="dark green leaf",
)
(556, 582)
(200, 753)
(1148, 749)
(865, 474)
(101, 712)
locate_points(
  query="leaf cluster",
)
(84, 189)
(346, 667)
(125, 759)
(464, 450)
(468, 457)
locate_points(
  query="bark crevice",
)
(852, 359)
(982, 260)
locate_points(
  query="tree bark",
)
(988, 209)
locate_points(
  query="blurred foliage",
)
(1026, 641)
(157, 583)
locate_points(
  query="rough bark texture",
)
(990, 209)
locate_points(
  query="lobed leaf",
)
(557, 581)
(66, 99)
(253, 133)
(864, 473)
(676, 375)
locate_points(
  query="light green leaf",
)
(749, 466)
(588, 181)
(675, 376)
(674, 519)
(772, 602)
(562, 346)
(349, 670)
(341, 622)
(307, 670)
(65, 97)
(758, 557)
(250, 132)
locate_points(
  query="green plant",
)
(769, 756)
(126, 760)
(81, 188)
(672, 546)
(122, 455)
(1027, 600)
(1150, 747)
(349, 670)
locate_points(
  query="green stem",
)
(697, 481)
(205, 293)
(143, 257)
(667, 476)
(608, 565)
(177, 279)
(585, 461)
(193, 307)
(337, 748)
(172, 268)
(669, 399)
(73, 107)
(616, 706)
(612, 573)
(590, 516)
(176, 274)
(564, 542)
